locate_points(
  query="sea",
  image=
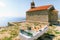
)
(4, 20)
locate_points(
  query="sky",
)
(18, 8)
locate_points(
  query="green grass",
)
(2, 31)
(50, 31)
(57, 32)
(14, 33)
(7, 38)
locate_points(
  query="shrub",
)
(14, 33)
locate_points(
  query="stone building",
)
(42, 14)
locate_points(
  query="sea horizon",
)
(4, 20)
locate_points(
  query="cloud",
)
(2, 4)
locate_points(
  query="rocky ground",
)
(9, 33)
(52, 34)
(12, 33)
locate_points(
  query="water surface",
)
(5, 20)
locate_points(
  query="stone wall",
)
(41, 16)
(53, 17)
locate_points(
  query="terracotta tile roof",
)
(45, 7)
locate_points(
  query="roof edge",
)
(41, 6)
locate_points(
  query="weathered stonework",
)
(53, 17)
(43, 16)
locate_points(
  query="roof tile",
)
(45, 7)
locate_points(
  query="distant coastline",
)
(5, 20)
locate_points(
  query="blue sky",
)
(18, 8)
